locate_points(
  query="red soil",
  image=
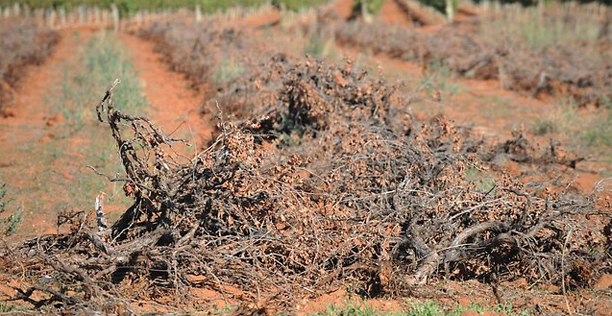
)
(485, 107)
(262, 20)
(339, 299)
(30, 124)
(344, 8)
(173, 104)
(392, 13)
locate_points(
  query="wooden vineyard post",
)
(365, 12)
(62, 17)
(88, 16)
(97, 15)
(450, 10)
(39, 15)
(115, 17)
(51, 18)
(81, 14)
(16, 9)
(26, 11)
(198, 13)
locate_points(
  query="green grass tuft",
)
(226, 71)
(9, 224)
(419, 308)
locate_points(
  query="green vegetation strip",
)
(103, 61)
(421, 308)
(10, 216)
(76, 140)
(128, 6)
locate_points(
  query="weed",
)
(4, 308)
(319, 46)
(531, 28)
(600, 132)
(354, 309)
(315, 45)
(484, 181)
(297, 4)
(8, 225)
(417, 308)
(72, 149)
(372, 6)
(606, 102)
(103, 61)
(427, 308)
(74, 117)
(221, 311)
(227, 71)
(438, 78)
(107, 61)
(544, 126)
(128, 7)
(561, 120)
(566, 119)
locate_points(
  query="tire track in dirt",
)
(173, 104)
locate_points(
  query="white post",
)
(17, 9)
(88, 15)
(198, 13)
(91, 15)
(51, 18)
(541, 8)
(26, 11)
(40, 16)
(74, 15)
(497, 7)
(365, 13)
(81, 14)
(62, 16)
(97, 15)
(137, 19)
(115, 14)
(486, 6)
(450, 11)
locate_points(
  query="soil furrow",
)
(174, 104)
(28, 129)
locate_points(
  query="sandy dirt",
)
(392, 13)
(173, 104)
(25, 133)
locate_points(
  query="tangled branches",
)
(544, 71)
(322, 191)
